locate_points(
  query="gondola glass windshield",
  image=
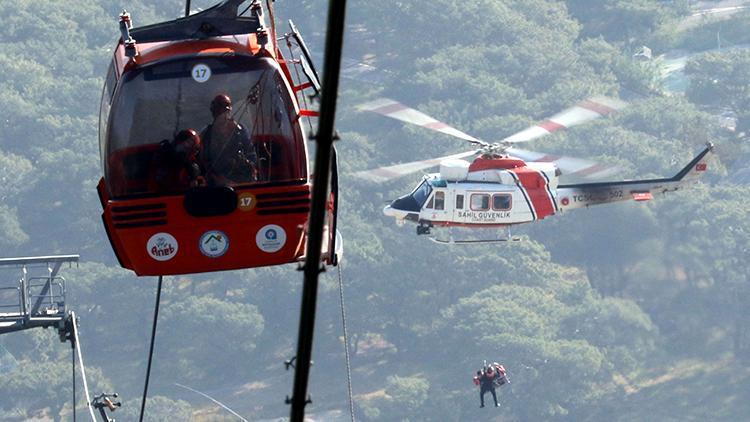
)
(208, 121)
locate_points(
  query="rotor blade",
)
(582, 112)
(383, 174)
(395, 110)
(569, 166)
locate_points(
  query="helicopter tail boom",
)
(587, 194)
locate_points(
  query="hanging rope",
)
(83, 367)
(74, 384)
(223, 406)
(346, 344)
(151, 349)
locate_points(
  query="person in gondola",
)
(176, 163)
(228, 154)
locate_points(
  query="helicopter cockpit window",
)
(216, 121)
(421, 193)
(480, 202)
(501, 202)
(439, 200)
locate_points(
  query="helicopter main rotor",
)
(582, 112)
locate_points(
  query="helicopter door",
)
(434, 209)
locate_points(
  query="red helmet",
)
(189, 142)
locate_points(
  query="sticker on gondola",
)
(214, 243)
(162, 246)
(246, 201)
(201, 73)
(270, 238)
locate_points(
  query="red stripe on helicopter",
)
(535, 184)
(390, 108)
(596, 107)
(641, 196)
(502, 163)
(550, 126)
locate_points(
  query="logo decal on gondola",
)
(162, 246)
(214, 243)
(246, 201)
(270, 238)
(201, 73)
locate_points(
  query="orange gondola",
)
(202, 145)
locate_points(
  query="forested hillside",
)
(634, 311)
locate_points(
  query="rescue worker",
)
(176, 163)
(227, 155)
(485, 380)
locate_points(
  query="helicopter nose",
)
(391, 212)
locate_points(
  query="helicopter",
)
(504, 185)
(175, 203)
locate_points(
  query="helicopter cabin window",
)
(439, 200)
(431, 203)
(234, 124)
(480, 202)
(501, 202)
(459, 202)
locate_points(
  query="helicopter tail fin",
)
(697, 166)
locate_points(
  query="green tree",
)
(721, 80)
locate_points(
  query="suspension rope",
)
(83, 367)
(223, 406)
(346, 344)
(73, 354)
(151, 349)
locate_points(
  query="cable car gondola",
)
(202, 145)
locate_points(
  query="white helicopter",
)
(505, 185)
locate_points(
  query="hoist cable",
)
(83, 367)
(222, 405)
(73, 354)
(151, 349)
(346, 344)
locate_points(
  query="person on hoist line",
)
(485, 379)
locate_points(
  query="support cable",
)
(151, 349)
(322, 168)
(222, 405)
(346, 344)
(73, 354)
(83, 367)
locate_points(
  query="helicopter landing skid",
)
(470, 241)
(451, 240)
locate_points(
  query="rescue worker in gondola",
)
(176, 163)
(228, 154)
(485, 379)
